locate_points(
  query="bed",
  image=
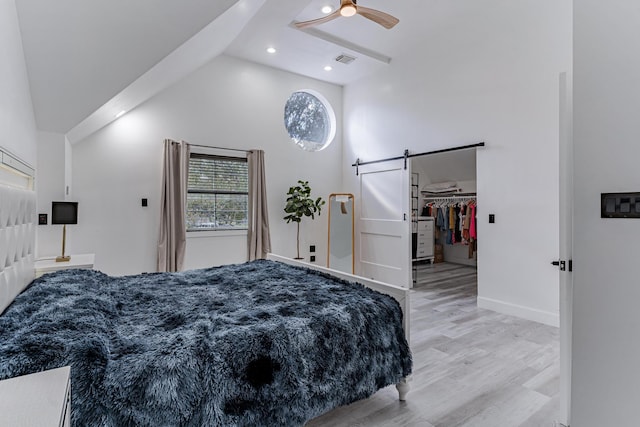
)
(260, 343)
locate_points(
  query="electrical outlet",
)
(145, 203)
(312, 258)
(312, 248)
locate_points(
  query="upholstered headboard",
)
(17, 227)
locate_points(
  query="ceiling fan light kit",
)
(350, 8)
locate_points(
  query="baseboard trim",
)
(528, 313)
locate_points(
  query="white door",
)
(566, 244)
(384, 223)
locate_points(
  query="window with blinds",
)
(217, 193)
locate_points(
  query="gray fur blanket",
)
(260, 343)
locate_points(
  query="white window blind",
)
(217, 193)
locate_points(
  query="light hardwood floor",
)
(472, 367)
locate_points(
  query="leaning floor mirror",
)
(341, 233)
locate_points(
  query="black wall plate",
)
(620, 205)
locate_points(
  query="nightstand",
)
(47, 265)
(37, 400)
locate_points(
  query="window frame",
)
(331, 118)
(216, 231)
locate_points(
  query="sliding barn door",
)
(383, 222)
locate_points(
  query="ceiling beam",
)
(314, 32)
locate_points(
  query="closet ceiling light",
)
(271, 49)
(328, 68)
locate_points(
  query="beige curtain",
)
(173, 228)
(258, 234)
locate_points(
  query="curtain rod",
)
(408, 156)
(218, 148)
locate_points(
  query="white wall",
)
(50, 187)
(17, 122)
(227, 103)
(606, 319)
(491, 76)
(68, 169)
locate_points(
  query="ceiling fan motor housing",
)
(349, 8)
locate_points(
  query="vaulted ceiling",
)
(89, 60)
(81, 53)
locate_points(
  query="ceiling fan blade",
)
(305, 24)
(378, 17)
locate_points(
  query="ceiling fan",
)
(350, 8)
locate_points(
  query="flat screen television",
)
(64, 212)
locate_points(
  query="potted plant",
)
(300, 204)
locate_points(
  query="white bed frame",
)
(18, 231)
(401, 295)
(17, 227)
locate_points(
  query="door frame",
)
(565, 242)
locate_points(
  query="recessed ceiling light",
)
(271, 49)
(328, 68)
(327, 9)
(120, 114)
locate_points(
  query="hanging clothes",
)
(472, 223)
(455, 221)
(466, 220)
(467, 217)
(466, 223)
(452, 216)
(452, 225)
(458, 222)
(440, 219)
(447, 231)
(473, 235)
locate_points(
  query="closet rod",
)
(407, 156)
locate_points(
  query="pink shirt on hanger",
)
(472, 224)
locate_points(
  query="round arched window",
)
(310, 120)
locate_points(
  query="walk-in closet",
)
(444, 218)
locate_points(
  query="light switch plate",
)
(620, 205)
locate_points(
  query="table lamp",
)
(64, 213)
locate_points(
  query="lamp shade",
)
(64, 212)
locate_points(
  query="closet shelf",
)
(430, 196)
